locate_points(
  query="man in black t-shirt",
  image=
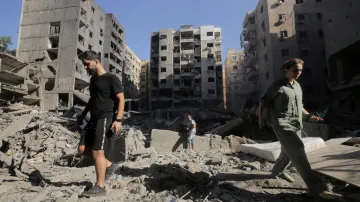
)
(106, 106)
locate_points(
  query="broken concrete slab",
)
(271, 151)
(223, 130)
(337, 161)
(16, 126)
(336, 141)
(25, 111)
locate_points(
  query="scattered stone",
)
(217, 160)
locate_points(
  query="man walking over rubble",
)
(106, 98)
(283, 104)
(192, 132)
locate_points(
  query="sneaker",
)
(110, 171)
(286, 177)
(330, 195)
(94, 192)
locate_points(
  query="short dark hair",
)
(292, 62)
(90, 55)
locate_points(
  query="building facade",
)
(52, 36)
(279, 30)
(186, 68)
(235, 81)
(144, 90)
(131, 75)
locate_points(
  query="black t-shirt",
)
(103, 91)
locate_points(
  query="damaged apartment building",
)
(186, 68)
(144, 79)
(131, 75)
(235, 96)
(52, 36)
(279, 30)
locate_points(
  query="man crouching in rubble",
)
(106, 97)
(283, 104)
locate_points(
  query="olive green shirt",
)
(283, 101)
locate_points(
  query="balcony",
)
(249, 33)
(250, 46)
(186, 52)
(187, 74)
(253, 75)
(250, 59)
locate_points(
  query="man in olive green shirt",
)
(282, 108)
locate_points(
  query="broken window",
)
(211, 91)
(163, 69)
(83, 13)
(52, 69)
(53, 42)
(100, 42)
(106, 55)
(300, 18)
(176, 60)
(90, 34)
(235, 68)
(54, 28)
(82, 24)
(64, 99)
(177, 71)
(263, 26)
(163, 37)
(217, 35)
(176, 49)
(234, 57)
(283, 34)
(112, 68)
(210, 45)
(90, 47)
(53, 54)
(187, 46)
(101, 32)
(321, 33)
(285, 52)
(264, 41)
(79, 52)
(163, 58)
(163, 47)
(187, 35)
(211, 79)
(49, 84)
(81, 39)
(209, 34)
(210, 68)
(92, 9)
(319, 16)
(282, 18)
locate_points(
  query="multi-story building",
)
(131, 75)
(235, 81)
(279, 30)
(186, 68)
(114, 46)
(53, 34)
(144, 92)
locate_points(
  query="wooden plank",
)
(338, 161)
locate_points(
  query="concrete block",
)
(271, 151)
(16, 126)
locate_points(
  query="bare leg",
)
(100, 167)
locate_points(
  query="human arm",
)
(120, 98)
(266, 101)
(312, 118)
(86, 110)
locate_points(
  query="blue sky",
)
(141, 17)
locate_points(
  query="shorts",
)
(191, 136)
(98, 135)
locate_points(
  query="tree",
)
(5, 41)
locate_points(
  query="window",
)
(234, 58)
(283, 34)
(90, 34)
(235, 67)
(211, 91)
(210, 67)
(285, 52)
(163, 81)
(209, 34)
(267, 75)
(299, 1)
(106, 55)
(210, 55)
(163, 47)
(319, 16)
(264, 41)
(263, 26)
(282, 17)
(90, 47)
(163, 69)
(92, 9)
(321, 33)
(163, 37)
(304, 53)
(101, 32)
(210, 45)
(55, 28)
(266, 58)
(100, 42)
(211, 79)
(300, 18)
(163, 58)
(262, 9)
